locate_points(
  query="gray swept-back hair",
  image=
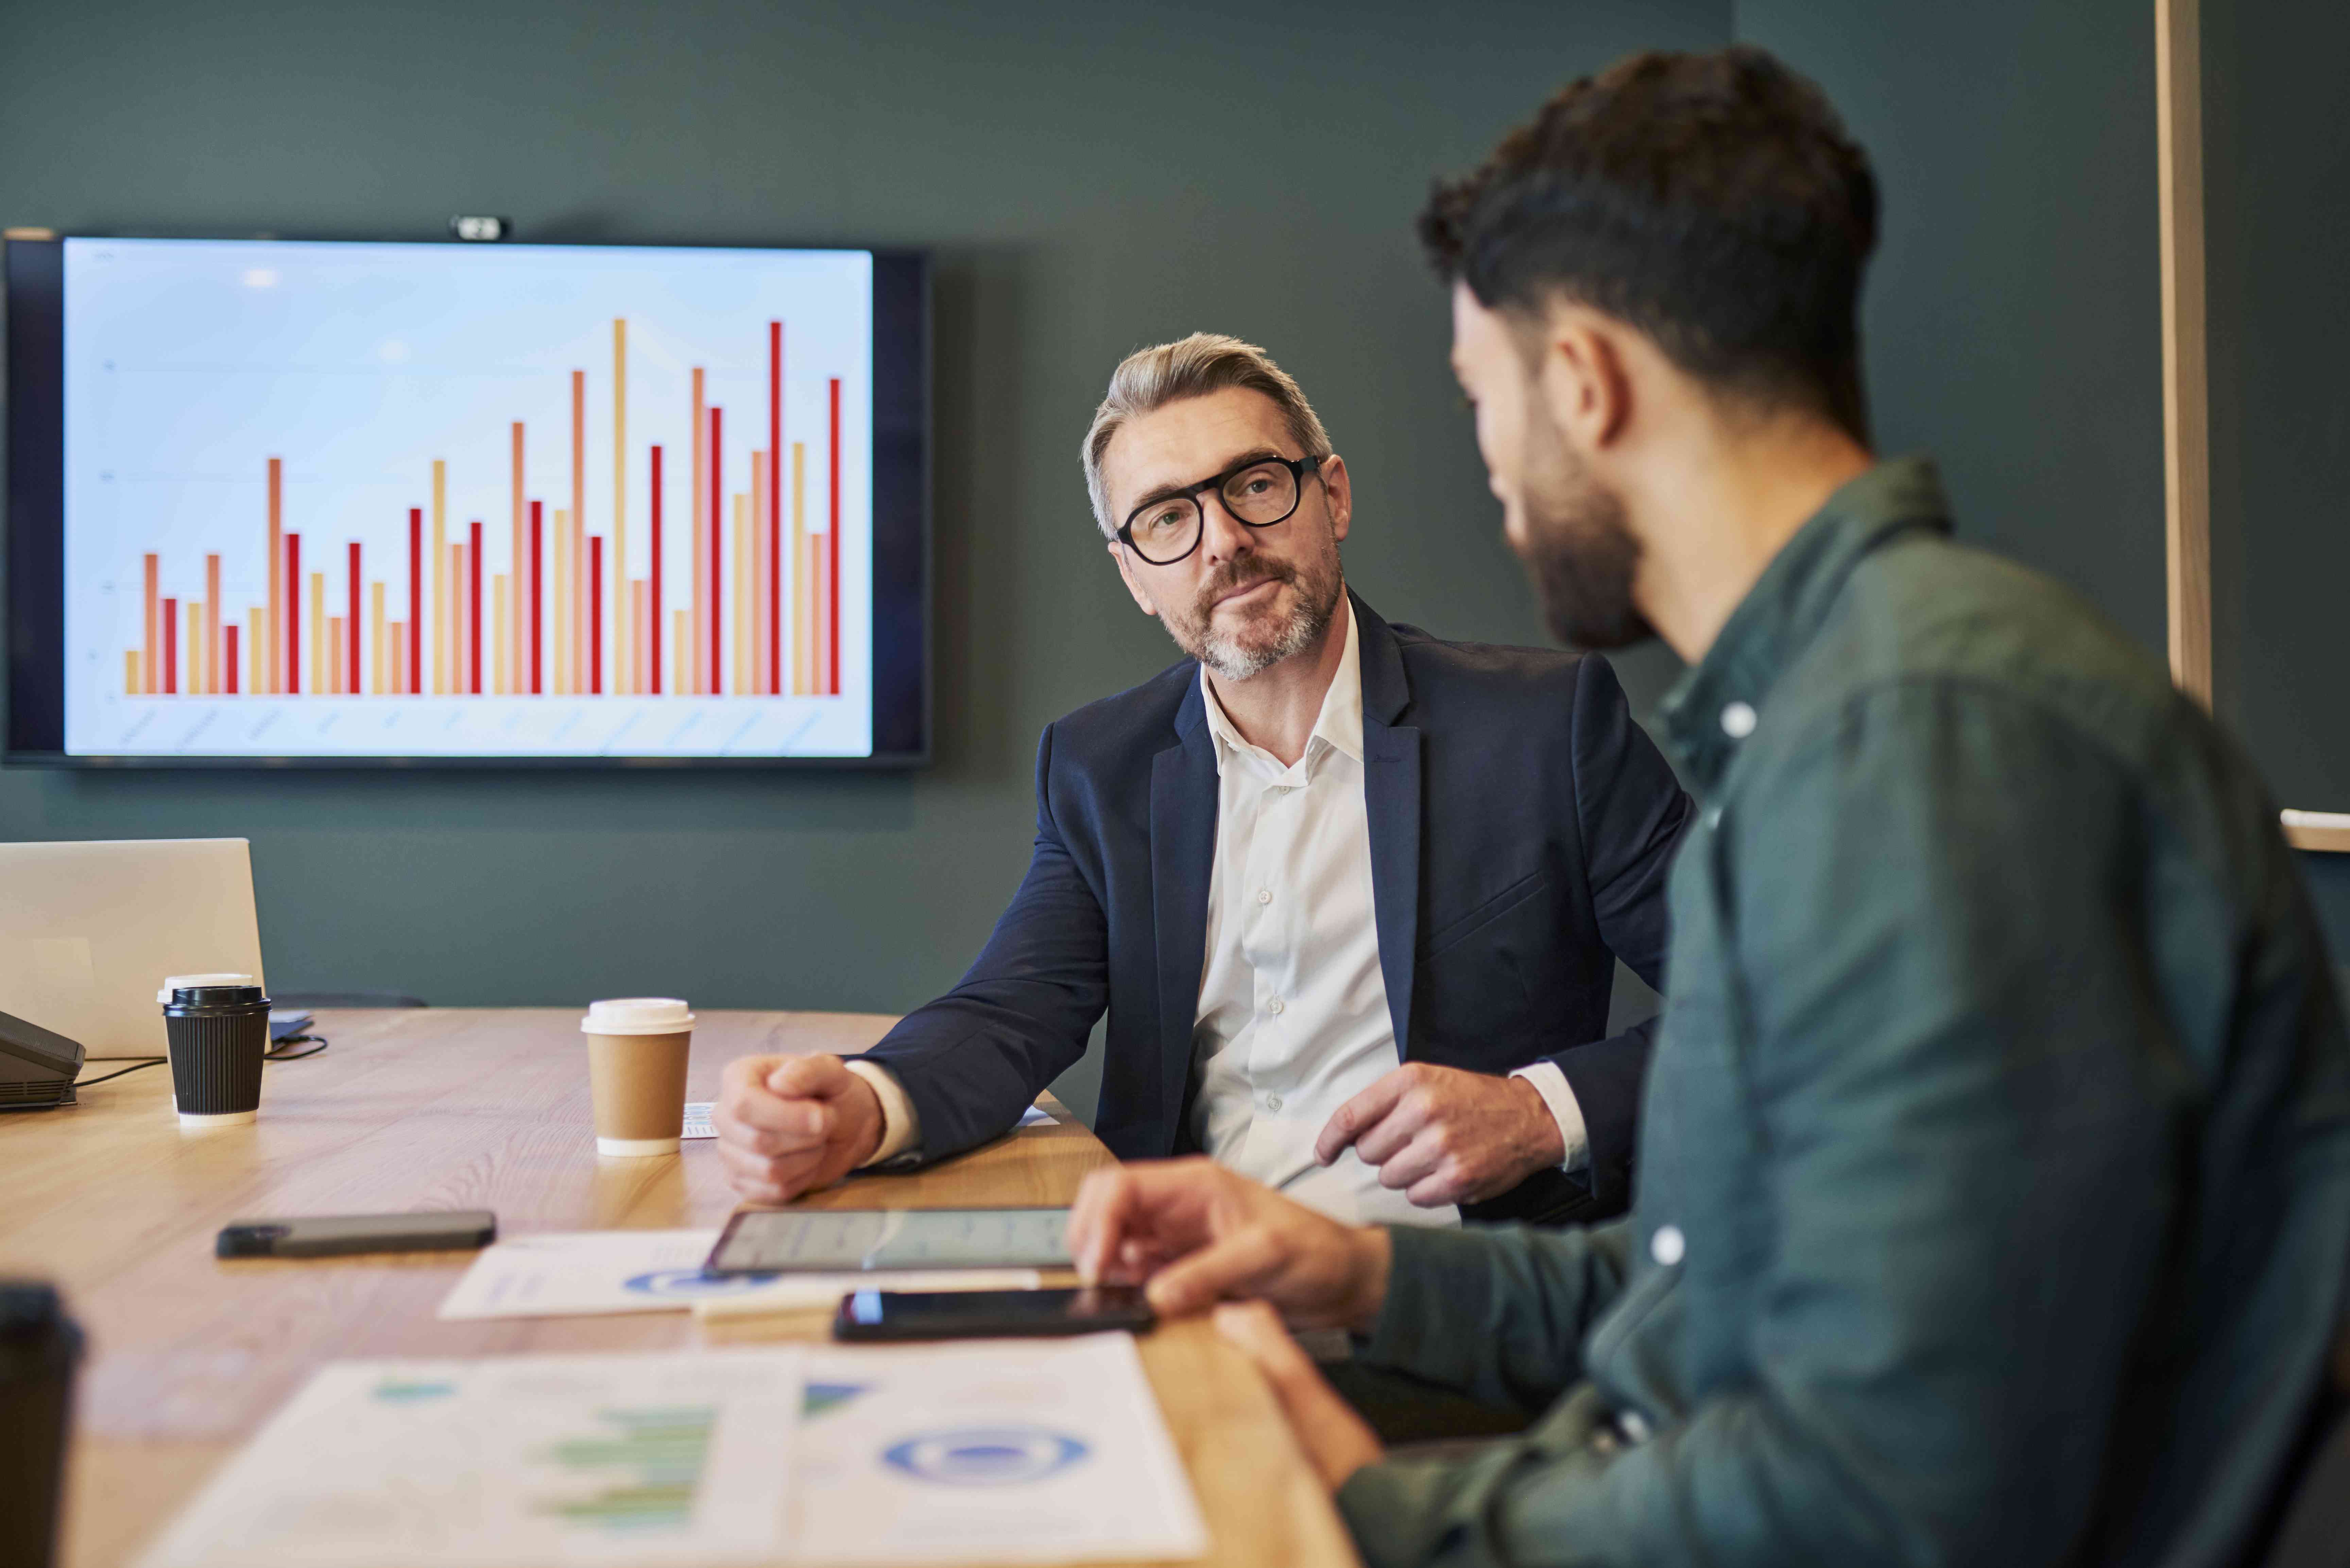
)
(1149, 379)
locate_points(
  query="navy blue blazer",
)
(1521, 828)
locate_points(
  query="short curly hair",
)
(1712, 201)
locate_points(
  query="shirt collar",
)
(1718, 703)
(1339, 724)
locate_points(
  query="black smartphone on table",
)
(338, 1235)
(990, 1315)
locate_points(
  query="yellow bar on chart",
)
(257, 624)
(557, 601)
(130, 672)
(500, 663)
(684, 634)
(377, 675)
(741, 569)
(317, 629)
(802, 621)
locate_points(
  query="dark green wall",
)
(1092, 177)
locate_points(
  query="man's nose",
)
(1222, 535)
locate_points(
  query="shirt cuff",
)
(901, 1127)
(1564, 1109)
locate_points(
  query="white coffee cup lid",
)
(636, 1016)
(173, 982)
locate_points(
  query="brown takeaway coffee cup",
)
(637, 1049)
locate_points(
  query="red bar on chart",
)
(651, 641)
(474, 620)
(411, 663)
(274, 656)
(229, 672)
(352, 627)
(515, 588)
(775, 508)
(717, 535)
(537, 555)
(293, 615)
(171, 647)
(596, 615)
(832, 560)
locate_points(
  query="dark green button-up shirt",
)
(1994, 1187)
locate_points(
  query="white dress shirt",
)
(1292, 1016)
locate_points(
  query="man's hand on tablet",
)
(788, 1124)
(1195, 1234)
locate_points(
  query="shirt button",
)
(1264, 894)
(1668, 1246)
(1738, 720)
(1273, 1102)
(1274, 1006)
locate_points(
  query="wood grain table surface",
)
(475, 1108)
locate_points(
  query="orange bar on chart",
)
(212, 619)
(154, 613)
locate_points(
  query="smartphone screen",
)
(848, 1241)
(989, 1315)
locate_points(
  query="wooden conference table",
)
(466, 1109)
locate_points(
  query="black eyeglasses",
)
(1260, 492)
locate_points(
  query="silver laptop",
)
(89, 930)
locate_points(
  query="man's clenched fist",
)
(788, 1124)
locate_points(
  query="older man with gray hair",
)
(1351, 895)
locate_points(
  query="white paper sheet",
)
(510, 1462)
(1034, 1453)
(585, 1273)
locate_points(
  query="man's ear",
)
(1339, 491)
(1126, 576)
(1583, 381)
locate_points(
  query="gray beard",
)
(1229, 659)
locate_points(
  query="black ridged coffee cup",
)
(219, 1034)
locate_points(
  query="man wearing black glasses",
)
(1351, 895)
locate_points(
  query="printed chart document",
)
(1034, 1452)
(605, 1461)
(589, 1273)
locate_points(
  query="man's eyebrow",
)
(1238, 460)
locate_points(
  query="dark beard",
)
(1579, 553)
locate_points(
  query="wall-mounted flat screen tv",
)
(289, 502)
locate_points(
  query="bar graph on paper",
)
(427, 500)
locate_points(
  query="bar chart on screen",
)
(359, 499)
